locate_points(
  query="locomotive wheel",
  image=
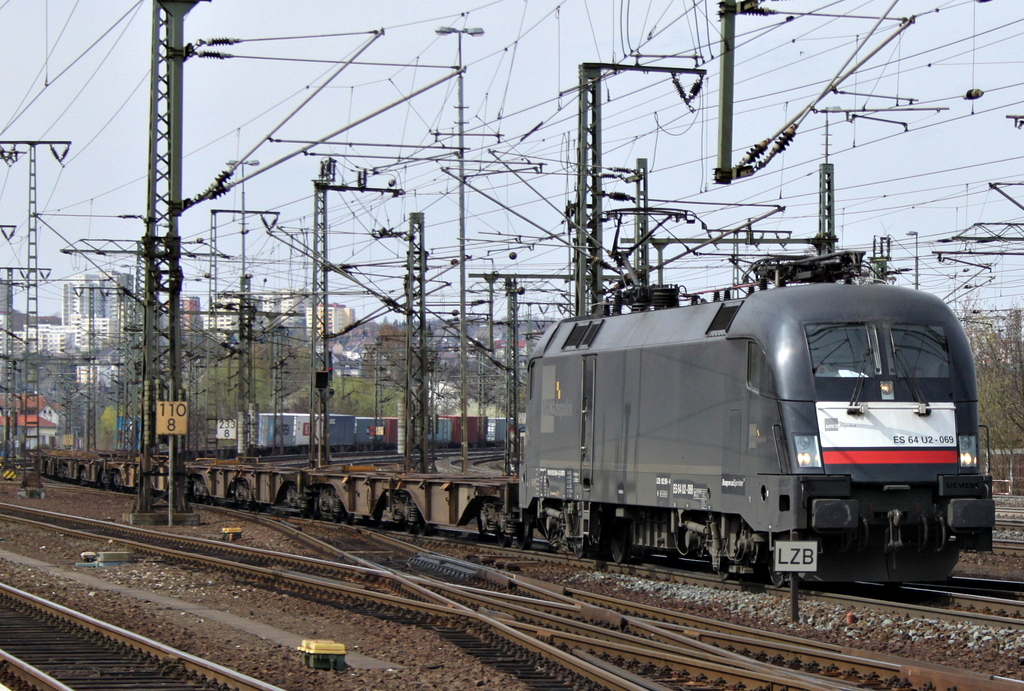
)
(778, 579)
(504, 540)
(620, 543)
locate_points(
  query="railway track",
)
(962, 601)
(966, 601)
(46, 646)
(604, 642)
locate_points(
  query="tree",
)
(997, 341)
(106, 432)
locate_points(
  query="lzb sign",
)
(796, 556)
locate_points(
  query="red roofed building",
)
(32, 411)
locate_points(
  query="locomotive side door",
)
(587, 424)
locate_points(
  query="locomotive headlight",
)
(886, 389)
(808, 455)
(968, 451)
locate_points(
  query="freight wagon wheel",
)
(524, 535)
(621, 543)
(580, 547)
(414, 523)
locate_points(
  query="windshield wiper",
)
(855, 407)
(915, 390)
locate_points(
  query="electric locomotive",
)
(845, 414)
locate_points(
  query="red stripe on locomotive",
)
(888, 456)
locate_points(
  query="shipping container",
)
(271, 435)
(477, 429)
(369, 431)
(292, 431)
(391, 431)
(442, 434)
(343, 431)
(497, 430)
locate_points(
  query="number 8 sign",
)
(172, 417)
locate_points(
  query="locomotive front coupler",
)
(893, 535)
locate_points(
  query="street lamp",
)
(473, 31)
(917, 266)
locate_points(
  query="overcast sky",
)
(79, 71)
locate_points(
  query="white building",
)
(338, 317)
(98, 295)
(53, 338)
(285, 308)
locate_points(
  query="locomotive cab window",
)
(844, 351)
(920, 351)
(901, 362)
(759, 371)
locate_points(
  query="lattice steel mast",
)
(417, 454)
(161, 337)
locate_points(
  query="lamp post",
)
(917, 266)
(473, 31)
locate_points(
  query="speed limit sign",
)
(172, 417)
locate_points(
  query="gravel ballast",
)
(412, 658)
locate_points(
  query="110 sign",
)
(172, 417)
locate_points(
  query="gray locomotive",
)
(845, 414)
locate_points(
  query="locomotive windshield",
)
(913, 357)
(921, 350)
(842, 350)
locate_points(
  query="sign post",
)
(796, 557)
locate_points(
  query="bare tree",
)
(997, 341)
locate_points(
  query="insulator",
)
(663, 297)
(697, 87)
(678, 86)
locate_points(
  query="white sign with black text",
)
(797, 556)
